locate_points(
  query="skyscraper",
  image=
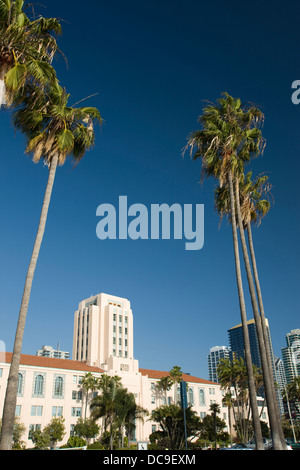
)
(236, 342)
(215, 355)
(103, 333)
(291, 355)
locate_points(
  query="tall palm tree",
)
(27, 48)
(251, 207)
(226, 141)
(176, 377)
(59, 131)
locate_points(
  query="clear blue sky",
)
(152, 63)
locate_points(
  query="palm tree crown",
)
(52, 127)
(27, 49)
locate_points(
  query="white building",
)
(102, 343)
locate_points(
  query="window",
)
(32, 428)
(76, 395)
(20, 384)
(18, 410)
(201, 397)
(57, 411)
(74, 379)
(58, 387)
(153, 399)
(38, 390)
(75, 411)
(36, 410)
(190, 396)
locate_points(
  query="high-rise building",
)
(281, 380)
(215, 355)
(103, 333)
(236, 342)
(291, 355)
(49, 351)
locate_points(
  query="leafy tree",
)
(40, 439)
(171, 420)
(86, 428)
(76, 441)
(213, 429)
(55, 430)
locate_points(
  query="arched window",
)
(58, 387)
(20, 384)
(201, 397)
(39, 385)
(190, 396)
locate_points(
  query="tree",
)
(104, 405)
(225, 142)
(171, 420)
(55, 430)
(27, 49)
(252, 207)
(89, 383)
(54, 131)
(176, 377)
(164, 384)
(215, 409)
(213, 427)
(86, 428)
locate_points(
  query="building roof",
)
(53, 363)
(158, 374)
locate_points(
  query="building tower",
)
(215, 355)
(291, 355)
(103, 333)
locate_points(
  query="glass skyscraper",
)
(291, 355)
(215, 355)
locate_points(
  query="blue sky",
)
(152, 64)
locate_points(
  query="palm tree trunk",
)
(12, 384)
(262, 347)
(248, 360)
(264, 329)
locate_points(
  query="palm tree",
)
(60, 131)
(176, 377)
(89, 383)
(226, 141)
(164, 384)
(251, 207)
(227, 401)
(215, 409)
(27, 49)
